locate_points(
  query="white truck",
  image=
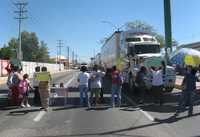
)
(129, 50)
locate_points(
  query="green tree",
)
(43, 53)
(32, 49)
(6, 52)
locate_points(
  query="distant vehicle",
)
(128, 51)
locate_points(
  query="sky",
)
(79, 22)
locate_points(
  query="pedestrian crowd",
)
(19, 88)
(97, 82)
(158, 76)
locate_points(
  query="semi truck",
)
(128, 51)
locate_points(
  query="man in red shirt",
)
(116, 86)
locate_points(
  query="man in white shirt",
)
(157, 84)
(83, 86)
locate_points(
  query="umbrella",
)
(192, 60)
(185, 56)
(16, 62)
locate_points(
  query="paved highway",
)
(128, 121)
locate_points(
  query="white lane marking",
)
(68, 121)
(39, 116)
(67, 84)
(42, 113)
(142, 111)
(147, 115)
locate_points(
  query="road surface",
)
(128, 121)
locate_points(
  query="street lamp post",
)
(168, 30)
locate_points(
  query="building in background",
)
(62, 60)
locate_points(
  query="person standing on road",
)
(107, 82)
(44, 90)
(83, 80)
(140, 82)
(24, 88)
(36, 99)
(116, 86)
(95, 85)
(157, 84)
(13, 84)
(188, 92)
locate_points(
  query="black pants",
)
(141, 94)
(37, 100)
(158, 94)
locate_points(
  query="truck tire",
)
(169, 89)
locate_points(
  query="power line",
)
(20, 12)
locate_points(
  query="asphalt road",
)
(129, 121)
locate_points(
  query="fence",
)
(29, 67)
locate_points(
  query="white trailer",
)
(129, 50)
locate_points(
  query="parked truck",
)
(129, 50)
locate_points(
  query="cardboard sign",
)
(43, 76)
(154, 61)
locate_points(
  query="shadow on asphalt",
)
(169, 120)
(98, 108)
(9, 108)
(86, 135)
(22, 112)
(66, 108)
(130, 109)
(170, 103)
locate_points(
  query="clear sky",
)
(79, 22)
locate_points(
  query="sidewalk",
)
(4, 79)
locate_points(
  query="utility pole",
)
(60, 43)
(76, 59)
(68, 56)
(21, 10)
(73, 58)
(168, 29)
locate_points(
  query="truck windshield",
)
(143, 49)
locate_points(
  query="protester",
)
(13, 84)
(116, 86)
(95, 85)
(188, 91)
(36, 99)
(140, 82)
(44, 90)
(107, 82)
(157, 84)
(102, 72)
(83, 79)
(24, 88)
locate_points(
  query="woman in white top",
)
(157, 84)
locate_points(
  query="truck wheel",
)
(169, 89)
